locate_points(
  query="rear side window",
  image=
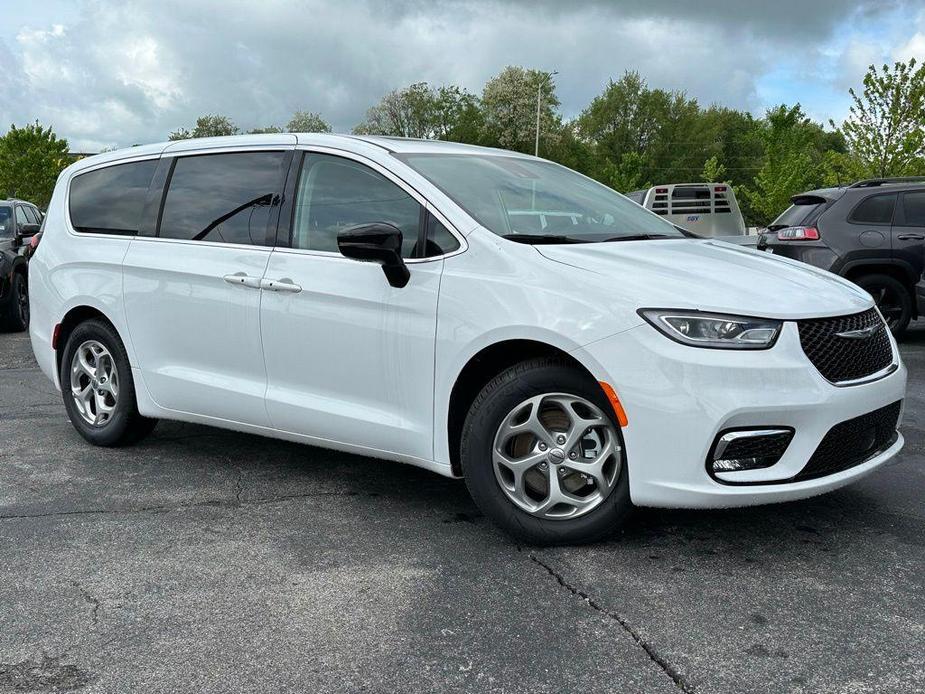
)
(222, 197)
(111, 200)
(32, 215)
(337, 193)
(914, 207)
(877, 209)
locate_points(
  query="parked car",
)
(19, 222)
(706, 209)
(871, 232)
(378, 296)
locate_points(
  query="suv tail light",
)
(798, 234)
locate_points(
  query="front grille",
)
(841, 359)
(853, 442)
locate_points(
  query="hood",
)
(711, 275)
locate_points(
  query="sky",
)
(111, 73)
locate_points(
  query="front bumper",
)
(678, 398)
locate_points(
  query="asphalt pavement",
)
(208, 561)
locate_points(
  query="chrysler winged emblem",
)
(861, 334)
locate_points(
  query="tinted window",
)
(439, 239)
(111, 200)
(6, 224)
(336, 194)
(33, 215)
(507, 194)
(795, 215)
(21, 215)
(222, 197)
(914, 206)
(877, 209)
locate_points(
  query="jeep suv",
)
(871, 232)
(19, 220)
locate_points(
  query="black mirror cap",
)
(376, 243)
(26, 230)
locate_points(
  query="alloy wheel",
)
(557, 456)
(94, 383)
(889, 303)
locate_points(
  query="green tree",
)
(267, 130)
(509, 110)
(713, 171)
(664, 131)
(885, 128)
(207, 126)
(30, 160)
(791, 163)
(407, 112)
(307, 122)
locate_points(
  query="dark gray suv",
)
(871, 232)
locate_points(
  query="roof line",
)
(360, 138)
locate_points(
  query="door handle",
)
(283, 285)
(243, 280)
(911, 237)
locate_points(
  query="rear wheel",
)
(892, 298)
(97, 386)
(543, 457)
(17, 311)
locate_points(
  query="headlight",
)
(714, 329)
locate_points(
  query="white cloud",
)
(118, 72)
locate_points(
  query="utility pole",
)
(539, 98)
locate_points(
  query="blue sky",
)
(110, 73)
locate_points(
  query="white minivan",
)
(479, 313)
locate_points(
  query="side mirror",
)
(26, 231)
(376, 243)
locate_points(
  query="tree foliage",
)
(885, 128)
(423, 111)
(31, 158)
(509, 102)
(207, 126)
(307, 122)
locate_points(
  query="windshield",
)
(536, 199)
(6, 223)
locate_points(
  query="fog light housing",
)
(736, 450)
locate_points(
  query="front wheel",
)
(892, 298)
(542, 455)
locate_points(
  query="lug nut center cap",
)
(556, 456)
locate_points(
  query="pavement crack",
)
(166, 508)
(649, 649)
(93, 602)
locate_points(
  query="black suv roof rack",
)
(874, 182)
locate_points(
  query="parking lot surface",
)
(208, 561)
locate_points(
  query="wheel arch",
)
(898, 270)
(480, 368)
(74, 317)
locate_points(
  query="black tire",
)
(502, 394)
(17, 309)
(893, 299)
(126, 426)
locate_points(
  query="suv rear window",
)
(798, 214)
(111, 200)
(877, 209)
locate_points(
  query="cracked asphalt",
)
(209, 561)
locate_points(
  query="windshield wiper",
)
(537, 239)
(639, 237)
